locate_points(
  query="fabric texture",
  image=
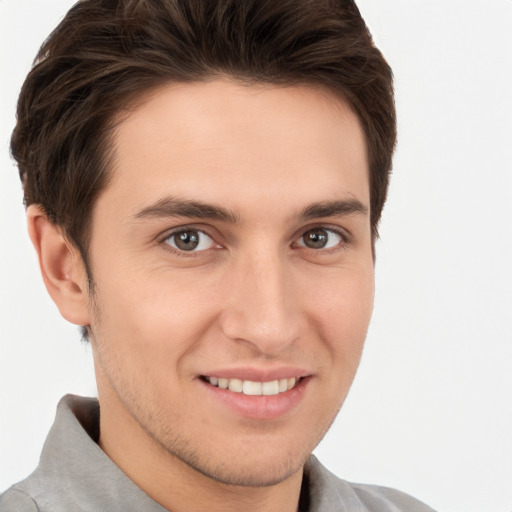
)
(75, 475)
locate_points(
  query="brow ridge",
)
(173, 207)
(334, 208)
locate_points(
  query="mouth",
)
(257, 394)
(253, 388)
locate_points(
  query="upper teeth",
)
(249, 387)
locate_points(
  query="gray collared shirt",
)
(75, 475)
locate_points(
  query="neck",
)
(176, 485)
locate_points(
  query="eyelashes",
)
(320, 238)
(190, 241)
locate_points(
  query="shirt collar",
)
(73, 467)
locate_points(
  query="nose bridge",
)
(263, 309)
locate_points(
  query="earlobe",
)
(61, 267)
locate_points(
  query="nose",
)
(263, 308)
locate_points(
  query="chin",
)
(253, 474)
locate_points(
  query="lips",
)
(261, 394)
(254, 388)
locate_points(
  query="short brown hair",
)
(105, 53)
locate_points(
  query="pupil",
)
(187, 240)
(316, 239)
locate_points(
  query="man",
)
(204, 182)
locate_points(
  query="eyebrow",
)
(336, 208)
(173, 207)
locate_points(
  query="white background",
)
(431, 408)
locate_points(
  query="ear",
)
(61, 266)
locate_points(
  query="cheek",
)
(153, 316)
(346, 295)
(341, 311)
(143, 336)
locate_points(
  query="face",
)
(231, 255)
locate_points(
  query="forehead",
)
(221, 141)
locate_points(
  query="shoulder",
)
(327, 492)
(17, 500)
(377, 498)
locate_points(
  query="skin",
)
(254, 296)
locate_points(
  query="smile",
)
(248, 387)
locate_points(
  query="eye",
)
(190, 240)
(320, 238)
